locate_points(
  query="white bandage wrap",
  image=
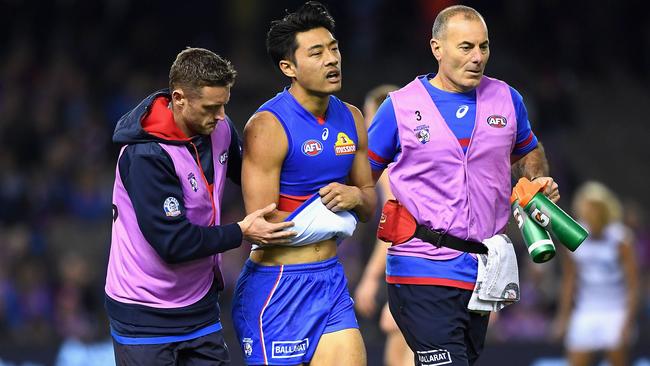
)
(313, 222)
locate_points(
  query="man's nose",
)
(221, 113)
(477, 56)
(332, 58)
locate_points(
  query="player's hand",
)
(340, 197)
(257, 230)
(364, 296)
(550, 188)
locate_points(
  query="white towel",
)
(313, 222)
(497, 282)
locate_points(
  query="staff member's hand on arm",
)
(256, 229)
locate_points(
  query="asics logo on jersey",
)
(312, 147)
(462, 111)
(497, 121)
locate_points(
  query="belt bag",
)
(398, 226)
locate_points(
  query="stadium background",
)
(70, 68)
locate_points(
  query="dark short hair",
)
(440, 24)
(281, 41)
(195, 68)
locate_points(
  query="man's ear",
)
(436, 48)
(288, 68)
(178, 97)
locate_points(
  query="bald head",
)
(440, 24)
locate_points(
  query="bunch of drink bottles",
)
(538, 218)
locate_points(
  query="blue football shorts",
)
(280, 312)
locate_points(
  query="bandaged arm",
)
(314, 222)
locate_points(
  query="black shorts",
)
(209, 349)
(437, 325)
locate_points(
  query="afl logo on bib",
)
(312, 147)
(344, 145)
(497, 121)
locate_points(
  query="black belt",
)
(440, 239)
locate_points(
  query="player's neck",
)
(313, 103)
(444, 84)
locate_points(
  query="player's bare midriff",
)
(277, 255)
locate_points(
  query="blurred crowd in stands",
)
(69, 69)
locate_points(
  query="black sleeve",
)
(148, 175)
(234, 156)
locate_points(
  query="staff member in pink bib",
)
(450, 142)
(163, 279)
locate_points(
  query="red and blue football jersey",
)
(320, 151)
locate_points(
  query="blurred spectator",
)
(634, 217)
(600, 282)
(74, 300)
(396, 351)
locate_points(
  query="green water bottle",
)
(548, 215)
(539, 243)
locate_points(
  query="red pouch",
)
(396, 224)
